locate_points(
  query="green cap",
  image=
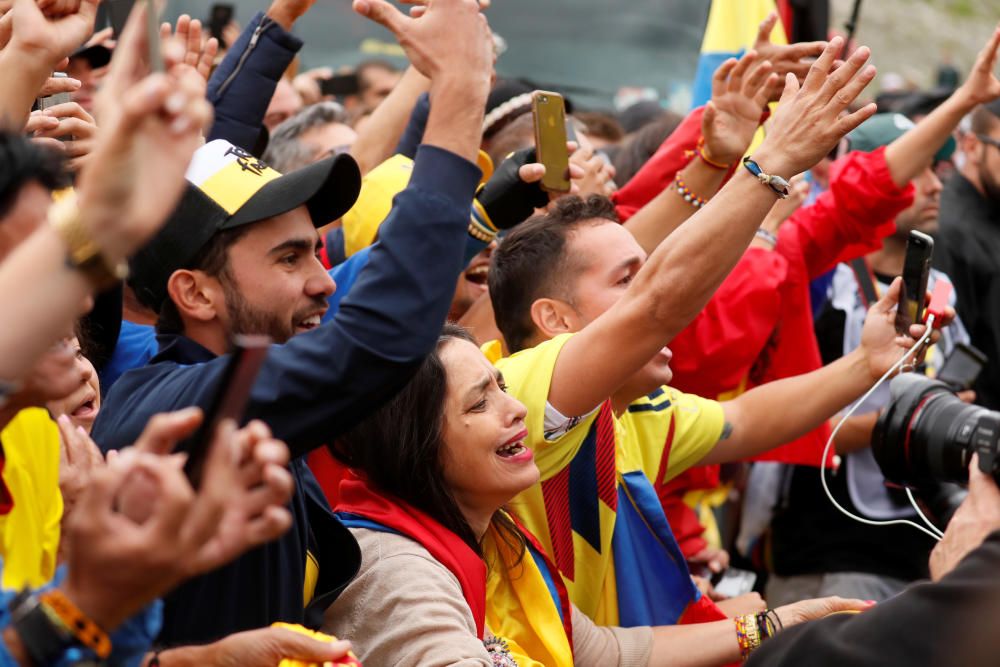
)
(884, 128)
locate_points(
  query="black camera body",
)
(928, 435)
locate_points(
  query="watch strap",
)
(44, 641)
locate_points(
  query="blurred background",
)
(607, 53)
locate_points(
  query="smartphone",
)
(153, 37)
(549, 111)
(52, 100)
(916, 270)
(962, 367)
(118, 11)
(735, 582)
(219, 17)
(340, 85)
(230, 400)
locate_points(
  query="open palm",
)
(739, 95)
(983, 86)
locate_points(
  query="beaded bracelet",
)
(707, 160)
(61, 610)
(689, 196)
(747, 634)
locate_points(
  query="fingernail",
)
(156, 88)
(871, 603)
(180, 125)
(175, 103)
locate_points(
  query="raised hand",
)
(443, 37)
(47, 38)
(883, 347)
(786, 58)
(66, 128)
(808, 123)
(199, 52)
(739, 95)
(253, 494)
(150, 128)
(123, 553)
(983, 86)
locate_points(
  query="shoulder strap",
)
(866, 281)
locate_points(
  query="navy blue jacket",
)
(310, 390)
(242, 85)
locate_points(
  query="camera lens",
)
(927, 434)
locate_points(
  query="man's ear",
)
(196, 295)
(553, 317)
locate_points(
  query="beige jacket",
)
(406, 609)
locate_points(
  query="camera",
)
(928, 435)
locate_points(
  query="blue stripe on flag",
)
(654, 585)
(584, 500)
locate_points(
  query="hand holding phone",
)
(916, 271)
(549, 113)
(230, 400)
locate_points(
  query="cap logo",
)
(228, 174)
(247, 161)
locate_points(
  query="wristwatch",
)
(84, 254)
(44, 640)
(776, 183)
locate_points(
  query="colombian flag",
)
(731, 29)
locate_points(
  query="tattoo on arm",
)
(727, 430)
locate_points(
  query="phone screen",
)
(340, 85)
(550, 139)
(230, 400)
(916, 270)
(962, 367)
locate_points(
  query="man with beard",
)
(238, 255)
(969, 242)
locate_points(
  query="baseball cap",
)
(378, 187)
(227, 187)
(883, 129)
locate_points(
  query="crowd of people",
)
(495, 424)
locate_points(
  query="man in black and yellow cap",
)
(239, 256)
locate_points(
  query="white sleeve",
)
(557, 425)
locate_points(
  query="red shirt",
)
(758, 326)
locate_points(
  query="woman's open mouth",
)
(515, 450)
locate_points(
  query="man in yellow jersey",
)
(587, 317)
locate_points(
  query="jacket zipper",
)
(265, 23)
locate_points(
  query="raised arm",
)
(381, 133)
(912, 152)
(755, 422)
(121, 200)
(33, 44)
(680, 277)
(321, 382)
(739, 93)
(242, 85)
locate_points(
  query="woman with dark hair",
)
(448, 577)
